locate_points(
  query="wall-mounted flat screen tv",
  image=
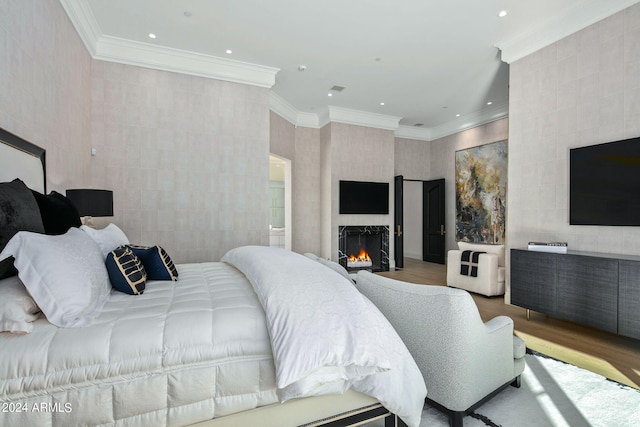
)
(604, 184)
(359, 197)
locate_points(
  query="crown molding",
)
(363, 118)
(280, 106)
(82, 18)
(558, 27)
(168, 59)
(148, 55)
(309, 120)
(324, 118)
(413, 132)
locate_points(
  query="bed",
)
(263, 337)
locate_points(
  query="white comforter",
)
(326, 336)
(180, 353)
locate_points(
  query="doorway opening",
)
(419, 220)
(279, 202)
(412, 203)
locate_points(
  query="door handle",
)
(442, 230)
(399, 231)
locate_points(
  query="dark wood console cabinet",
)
(599, 290)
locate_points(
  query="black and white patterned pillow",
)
(157, 262)
(126, 271)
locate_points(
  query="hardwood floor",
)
(612, 356)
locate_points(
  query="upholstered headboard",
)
(22, 159)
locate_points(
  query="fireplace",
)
(363, 247)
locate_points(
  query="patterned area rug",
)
(553, 393)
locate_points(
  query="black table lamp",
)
(90, 202)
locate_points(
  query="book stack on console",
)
(557, 247)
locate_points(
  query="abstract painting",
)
(481, 193)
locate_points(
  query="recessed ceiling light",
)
(457, 115)
(502, 13)
(152, 36)
(382, 103)
(229, 51)
(329, 94)
(489, 103)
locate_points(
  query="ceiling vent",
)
(337, 88)
(419, 124)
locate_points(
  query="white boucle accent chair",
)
(463, 360)
(491, 271)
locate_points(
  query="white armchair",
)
(464, 361)
(491, 271)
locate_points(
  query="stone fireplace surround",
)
(372, 238)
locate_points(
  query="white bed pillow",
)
(108, 238)
(17, 308)
(64, 274)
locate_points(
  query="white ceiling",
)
(427, 60)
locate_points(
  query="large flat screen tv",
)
(359, 197)
(604, 184)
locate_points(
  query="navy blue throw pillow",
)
(157, 262)
(126, 272)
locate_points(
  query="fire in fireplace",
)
(361, 260)
(364, 247)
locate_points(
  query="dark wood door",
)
(398, 223)
(433, 241)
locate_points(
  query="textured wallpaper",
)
(187, 158)
(359, 153)
(302, 146)
(442, 164)
(45, 87)
(582, 90)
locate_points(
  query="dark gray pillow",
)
(18, 212)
